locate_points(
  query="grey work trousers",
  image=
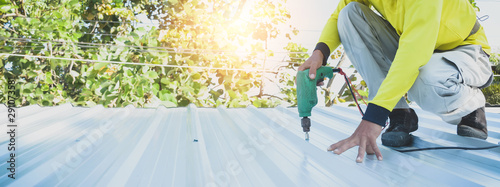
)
(448, 85)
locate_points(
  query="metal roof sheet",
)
(74, 146)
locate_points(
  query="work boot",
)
(402, 122)
(473, 125)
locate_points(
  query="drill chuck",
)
(306, 124)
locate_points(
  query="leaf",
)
(140, 31)
(128, 72)
(243, 89)
(135, 36)
(117, 86)
(196, 76)
(123, 56)
(363, 93)
(48, 78)
(5, 8)
(121, 40)
(90, 103)
(152, 75)
(74, 73)
(3, 2)
(32, 74)
(45, 88)
(97, 92)
(342, 100)
(58, 15)
(235, 103)
(99, 66)
(215, 94)
(196, 87)
(232, 94)
(257, 103)
(164, 81)
(45, 103)
(145, 69)
(38, 92)
(74, 3)
(173, 2)
(244, 82)
(171, 98)
(187, 89)
(50, 97)
(155, 88)
(26, 91)
(140, 91)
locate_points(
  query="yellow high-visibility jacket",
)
(424, 26)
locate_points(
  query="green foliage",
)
(495, 60)
(64, 29)
(474, 4)
(492, 93)
(361, 88)
(296, 53)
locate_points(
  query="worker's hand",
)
(313, 63)
(365, 137)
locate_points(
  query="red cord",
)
(348, 81)
(355, 90)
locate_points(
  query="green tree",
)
(189, 33)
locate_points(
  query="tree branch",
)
(77, 56)
(272, 96)
(11, 30)
(12, 15)
(93, 29)
(267, 95)
(22, 7)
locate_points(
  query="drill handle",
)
(306, 89)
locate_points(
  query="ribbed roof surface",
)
(73, 146)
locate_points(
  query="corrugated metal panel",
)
(73, 146)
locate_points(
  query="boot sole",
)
(396, 139)
(467, 131)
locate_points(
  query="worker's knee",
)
(349, 10)
(352, 14)
(352, 6)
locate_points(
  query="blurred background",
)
(174, 52)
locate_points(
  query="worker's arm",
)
(416, 46)
(328, 41)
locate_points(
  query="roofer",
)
(433, 50)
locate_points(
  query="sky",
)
(310, 17)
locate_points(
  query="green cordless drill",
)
(306, 94)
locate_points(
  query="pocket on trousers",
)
(473, 64)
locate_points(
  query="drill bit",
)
(307, 136)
